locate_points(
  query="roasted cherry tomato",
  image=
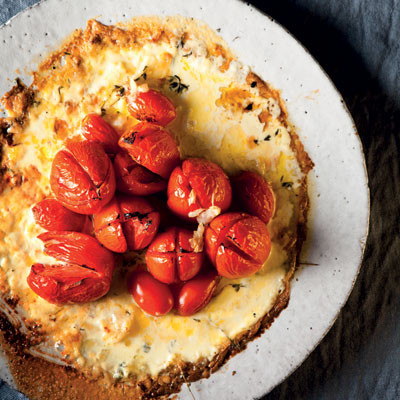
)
(127, 222)
(170, 257)
(238, 244)
(53, 216)
(151, 146)
(134, 179)
(85, 276)
(196, 293)
(151, 106)
(95, 129)
(82, 177)
(198, 185)
(254, 194)
(152, 296)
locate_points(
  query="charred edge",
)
(12, 301)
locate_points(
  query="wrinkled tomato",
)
(254, 194)
(196, 293)
(85, 276)
(151, 146)
(95, 129)
(132, 178)
(238, 244)
(53, 216)
(82, 177)
(198, 185)
(170, 257)
(152, 296)
(127, 222)
(151, 106)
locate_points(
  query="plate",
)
(338, 188)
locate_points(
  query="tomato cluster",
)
(116, 193)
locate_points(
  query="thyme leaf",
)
(237, 286)
(176, 85)
(287, 184)
(146, 348)
(120, 90)
(143, 75)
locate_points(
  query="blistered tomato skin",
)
(82, 177)
(94, 128)
(152, 296)
(134, 179)
(85, 276)
(255, 195)
(126, 223)
(53, 216)
(170, 257)
(151, 106)
(151, 146)
(198, 184)
(197, 293)
(237, 244)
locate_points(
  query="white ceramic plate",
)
(338, 184)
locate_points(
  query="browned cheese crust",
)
(40, 379)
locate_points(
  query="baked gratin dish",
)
(116, 312)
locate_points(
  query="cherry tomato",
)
(152, 296)
(85, 276)
(134, 179)
(238, 244)
(151, 106)
(52, 216)
(170, 257)
(196, 293)
(82, 177)
(151, 146)
(254, 194)
(198, 184)
(127, 222)
(95, 129)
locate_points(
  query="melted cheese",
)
(112, 334)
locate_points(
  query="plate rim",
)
(254, 9)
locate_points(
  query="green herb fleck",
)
(267, 138)
(181, 43)
(188, 54)
(254, 315)
(287, 184)
(143, 75)
(120, 90)
(66, 53)
(237, 286)
(196, 319)
(277, 132)
(176, 85)
(253, 84)
(249, 107)
(146, 348)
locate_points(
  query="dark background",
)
(357, 42)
